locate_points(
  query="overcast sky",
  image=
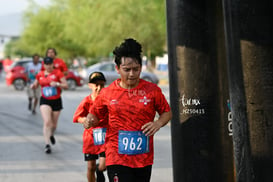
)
(11, 15)
(17, 6)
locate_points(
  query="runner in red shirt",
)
(52, 82)
(131, 104)
(6, 63)
(94, 137)
(58, 62)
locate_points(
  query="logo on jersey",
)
(145, 100)
(52, 77)
(132, 93)
(113, 102)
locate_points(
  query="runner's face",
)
(129, 71)
(51, 53)
(49, 67)
(96, 87)
(36, 59)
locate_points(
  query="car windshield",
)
(108, 67)
(22, 63)
(13, 64)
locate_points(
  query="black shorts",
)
(89, 157)
(102, 154)
(55, 104)
(125, 174)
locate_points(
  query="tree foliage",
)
(91, 28)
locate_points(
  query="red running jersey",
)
(47, 91)
(129, 110)
(89, 146)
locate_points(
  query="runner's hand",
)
(150, 128)
(54, 84)
(33, 86)
(91, 121)
(86, 123)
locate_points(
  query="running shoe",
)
(47, 149)
(52, 140)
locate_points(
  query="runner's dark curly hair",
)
(129, 48)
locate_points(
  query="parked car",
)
(110, 73)
(17, 77)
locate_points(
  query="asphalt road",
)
(21, 142)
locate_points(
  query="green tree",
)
(13, 50)
(91, 28)
(44, 29)
(104, 24)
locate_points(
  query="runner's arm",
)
(35, 84)
(81, 120)
(152, 127)
(62, 84)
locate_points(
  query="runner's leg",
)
(91, 168)
(56, 115)
(143, 174)
(34, 105)
(29, 103)
(119, 172)
(100, 168)
(46, 113)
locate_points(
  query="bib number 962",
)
(132, 142)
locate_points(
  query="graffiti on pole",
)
(190, 106)
(229, 127)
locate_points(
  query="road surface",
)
(22, 156)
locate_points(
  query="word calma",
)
(186, 102)
(189, 102)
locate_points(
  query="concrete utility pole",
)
(201, 125)
(221, 51)
(250, 53)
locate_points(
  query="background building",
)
(11, 27)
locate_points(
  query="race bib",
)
(132, 142)
(99, 136)
(49, 91)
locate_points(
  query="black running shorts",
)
(124, 174)
(89, 157)
(55, 104)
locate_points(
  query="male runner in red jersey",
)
(131, 104)
(94, 137)
(57, 62)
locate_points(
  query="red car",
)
(16, 76)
